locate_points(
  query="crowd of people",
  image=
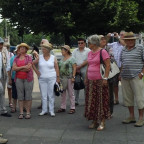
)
(101, 93)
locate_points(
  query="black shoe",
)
(76, 104)
(6, 114)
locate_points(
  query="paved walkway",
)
(68, 129)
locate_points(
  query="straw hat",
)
(129, 35)
(23, 45)
(47, 46)
(66, 47)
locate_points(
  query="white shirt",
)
(81, 56)
(116, 50)
(46, 68)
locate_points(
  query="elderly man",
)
(132, 71)
(4, 69)
(80, 54)
(116, 48)
(2, 140)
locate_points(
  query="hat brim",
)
(129, 38)
(66, 49)
(22, 45)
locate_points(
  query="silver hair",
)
(94, 39)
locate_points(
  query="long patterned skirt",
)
(97, 104)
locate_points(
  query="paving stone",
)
(21, 131)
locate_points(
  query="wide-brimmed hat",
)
(47, 46)
(129, 35)
(66, 47)
(23, 45)
(105, 37)
(1, 40)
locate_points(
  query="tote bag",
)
(113, 67)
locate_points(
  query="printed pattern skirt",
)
(97, 104)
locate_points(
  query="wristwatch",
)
(105, 78)
(142, 73)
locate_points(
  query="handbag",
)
(113, 67)
(79, 83)
(64, 82)
(57, 89)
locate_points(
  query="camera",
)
(112, 35)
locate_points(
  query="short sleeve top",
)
(94, 64)
(66, 67)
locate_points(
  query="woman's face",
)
(103, 42)
(64, 51)
(91, 46)
(23, 50)
(45, 50)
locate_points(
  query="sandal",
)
(10, 105)
(60, 110)
(13, 110)
(116, 102)
(28, 116)
(72, 111)
(21, 116)
(101, 126)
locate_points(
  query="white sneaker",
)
(3, 141)
(42, 113)
(52, 114)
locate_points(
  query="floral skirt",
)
(97, 104)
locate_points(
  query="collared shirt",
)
(132, 61)
(116, 50)
(81, 56)
(28, 59)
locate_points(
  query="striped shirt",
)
(132, 61)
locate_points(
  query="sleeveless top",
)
(46, 68)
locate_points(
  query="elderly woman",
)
(67, 73)
(24, 79)
(48, 74)
(97, 93)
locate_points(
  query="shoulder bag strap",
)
(101, 59)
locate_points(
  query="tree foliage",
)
(74, 17)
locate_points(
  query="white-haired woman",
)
(97, 93)
(48, 74)
(24, 79)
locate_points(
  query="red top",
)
(21, 74)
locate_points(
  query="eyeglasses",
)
(80, 42)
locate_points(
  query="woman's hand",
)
(58, 80)
(86, 81)
(72, 80)
(105, 82)
(38, 74)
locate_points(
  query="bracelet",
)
(105, 78)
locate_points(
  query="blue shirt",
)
(11, 64)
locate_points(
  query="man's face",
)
(81, 44)
(122, 35)
(1, 45)
(130, 43)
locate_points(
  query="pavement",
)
(67, 128)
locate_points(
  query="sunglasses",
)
(80, 42)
